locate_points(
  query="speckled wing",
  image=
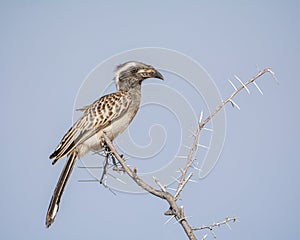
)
(95, 117)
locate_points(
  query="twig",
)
(218, 224)
(162, 187)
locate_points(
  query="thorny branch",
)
(190, 158)
(218, 224)
(174, 209)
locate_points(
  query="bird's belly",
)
(118, 126)
(94, 143)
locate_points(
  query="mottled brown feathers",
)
(94, 118)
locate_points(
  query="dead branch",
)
(174, 209)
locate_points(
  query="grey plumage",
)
(111, 114)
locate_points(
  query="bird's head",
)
(131, 74)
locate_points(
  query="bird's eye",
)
(134, 70)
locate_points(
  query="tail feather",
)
(62, 181)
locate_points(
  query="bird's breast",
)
(119, 125)
(94, 143)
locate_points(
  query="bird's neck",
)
(135, 94)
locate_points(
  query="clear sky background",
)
(48, 48)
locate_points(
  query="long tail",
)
(62, 181)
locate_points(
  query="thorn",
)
(194, 167)
(100, 153)
(84, 167)
(192, 132)
(228, 226)
(232, 85)
(172, 189)
(162, 187)
(89, 180)
(213, 233)
(234, 104)
(118, 179)
(273, 75)
(195, 163)
(203, 146)
(126, 158)
(201, 116)
(242, 83)
(112, 191)
(121, 181)
(255, 84)
(257, 68)
(188, 147)
(176, 179)
(193, 181)
(208, 129)
(166, 222)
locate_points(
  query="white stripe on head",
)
(124, 67)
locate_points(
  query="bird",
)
(110, 115)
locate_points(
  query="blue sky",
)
(48, 49)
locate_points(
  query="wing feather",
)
(95, 117)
